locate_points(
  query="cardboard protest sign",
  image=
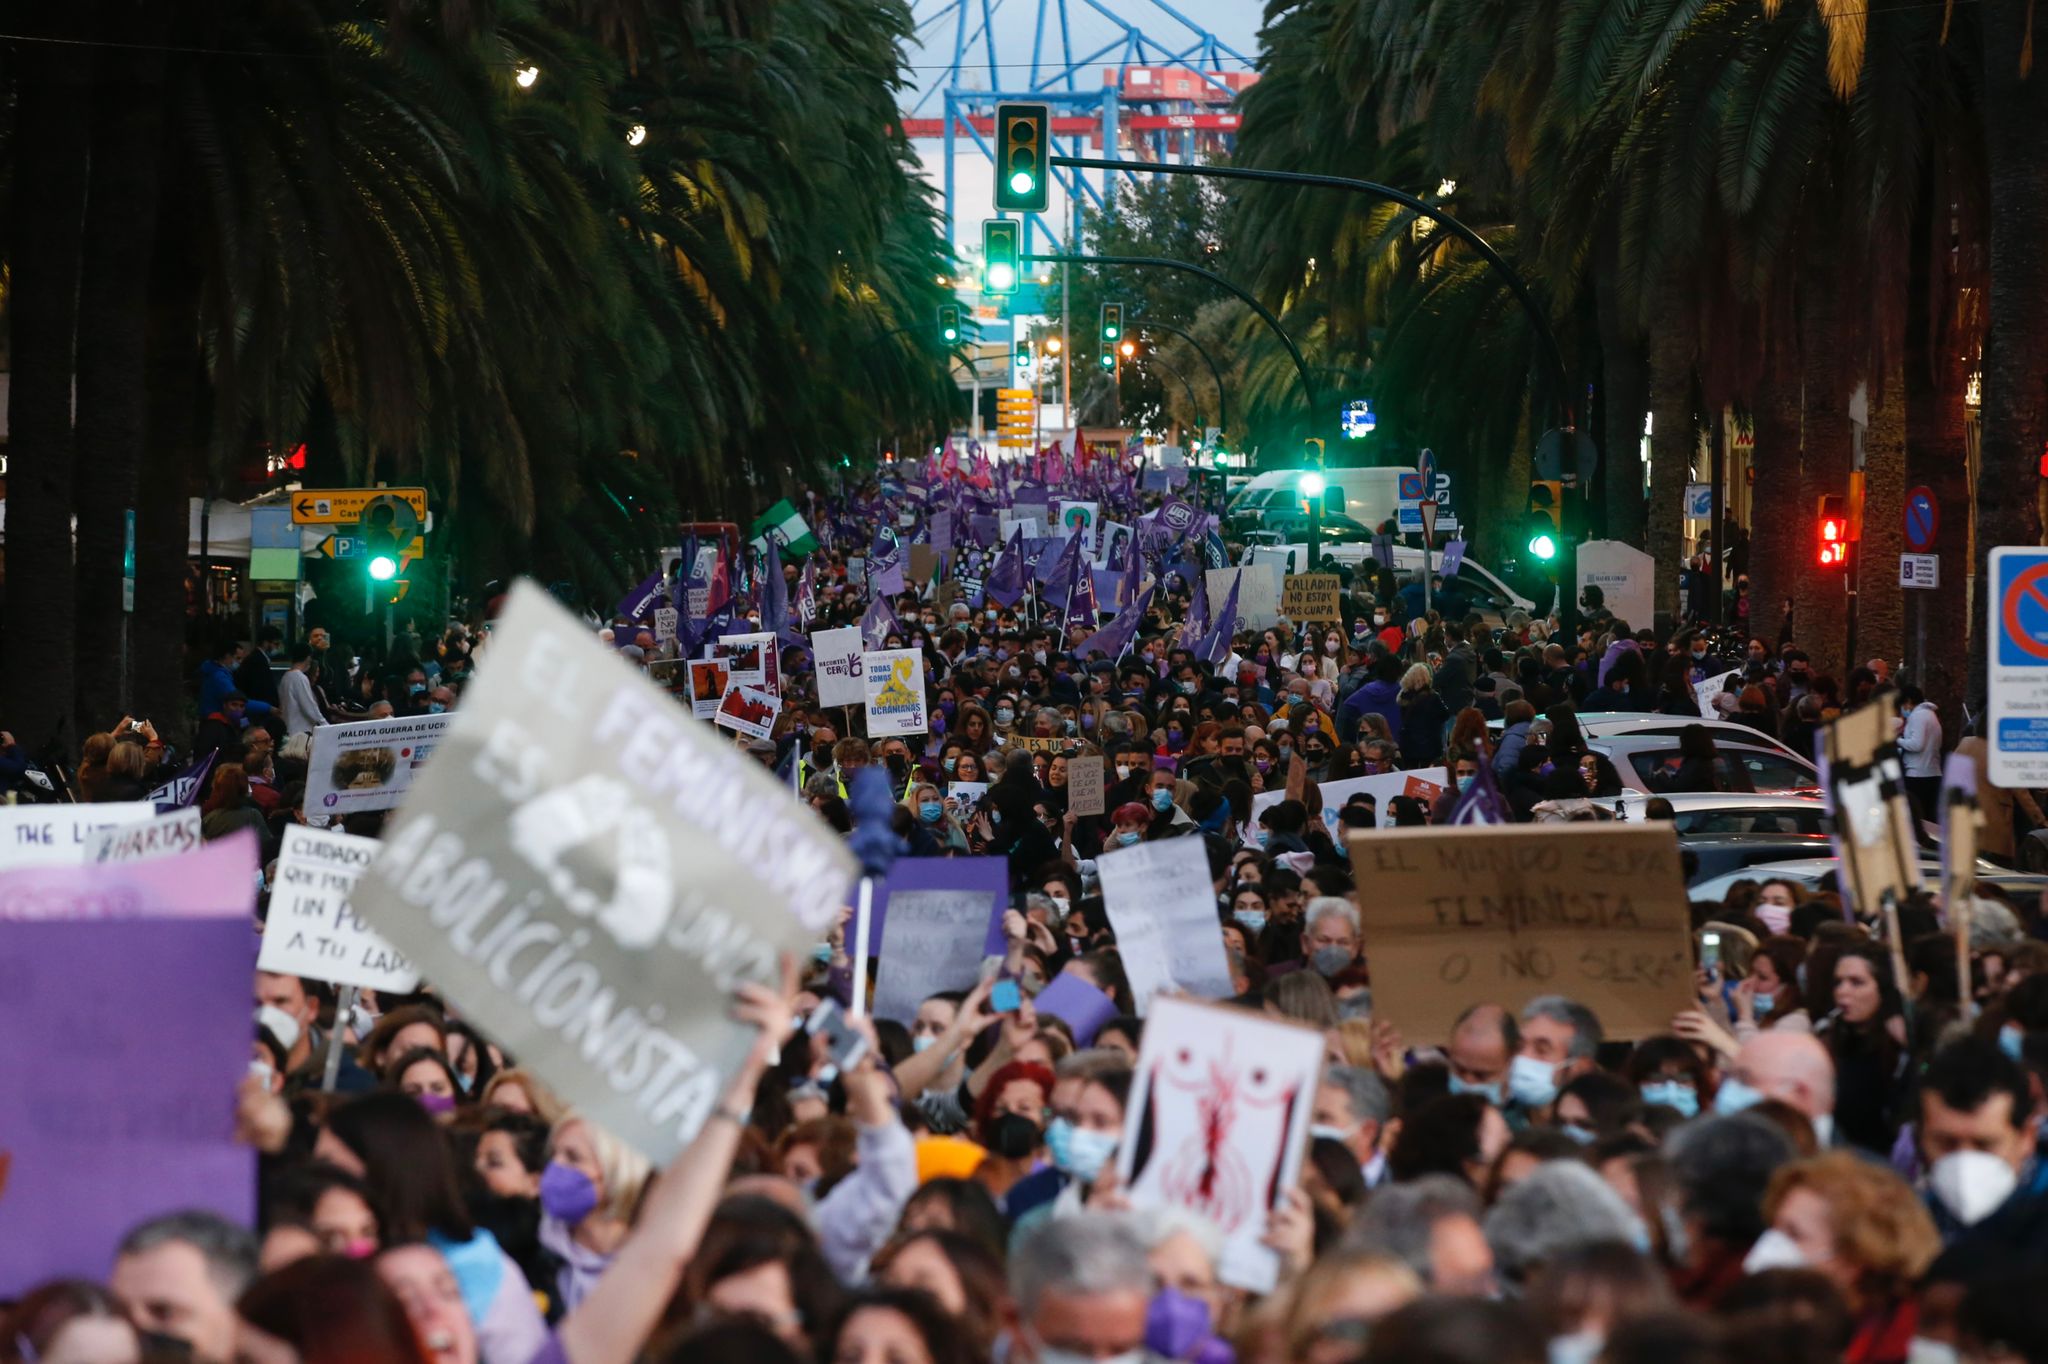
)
(1307, 597)
(1499, 914)
(588, 875)
(1162, 905)
(312, 930)
(1425, 784)
(892, 683)
(168, 835)
(110, 1115)
(1218, 1122)
(666, 619)
(369, 764)
(749, 711)
(60, 835)
(709, 682)
(934, 919)
(750, 659)
(924, 562)
(1031, 743)
(218, 879)
(1086, 794)
(1865, 783)
(838, 653)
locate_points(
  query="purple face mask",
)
(436, 1104)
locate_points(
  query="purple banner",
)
(1454, 557)
(110, 1115)
(635, 605)
(990, 875)
(1080, 1005)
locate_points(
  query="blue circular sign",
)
(1923, 520)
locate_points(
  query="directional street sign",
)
(352, 547)
(1923, 520)
(344, 506)
(2019, 666)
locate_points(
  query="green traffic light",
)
(952, 333)
(1311, 485)
(1021, 182)
(1002, 277)
(1543, 545)
(1108, 361)
(383, 568)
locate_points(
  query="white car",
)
(1812, 872)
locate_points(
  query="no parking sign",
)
(2019, 666)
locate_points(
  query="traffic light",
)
(1024, 356)
(1109, 359)
(999, 255)
(949, 322)
(1545, 520)
(1023, 144)
(1112, 321)
(1312, 452)
(1831, 528)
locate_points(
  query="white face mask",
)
(1048, 1355)
(1774, 1250)
(1971, 1184)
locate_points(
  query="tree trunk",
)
(2014, 417)
(1881, 619)
(1937, 457)
(113, 305)
(1778, 548)
(51, 112)
(1674, 443)
(1624, 397)
(175, 385)
(1820, 602)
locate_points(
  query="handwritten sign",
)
(60, 835)
(1085, 789)
(1500, 914)
(939, 918)
(1162, 905)
(1309, 597)
(170, 835)
(312, 930)
(1866, 790)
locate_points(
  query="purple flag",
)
(182, 791)
(1006, 582)
(878, 624)
(1454, 558)
(1215, 646)
(1057, 573)
(1482, 802)
(1114, 638)
(1080, 603)
(641, 601)
(1197, 623)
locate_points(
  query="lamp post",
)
(1312, 488)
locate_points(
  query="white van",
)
(1370, 495)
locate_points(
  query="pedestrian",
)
(1920, 750)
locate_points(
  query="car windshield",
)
(1735, 769)
(1738, 821)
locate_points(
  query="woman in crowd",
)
(1866, 1035)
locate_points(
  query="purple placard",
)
(1083, 1007)
(987, 874)
(1454, 558)
(110, 1115)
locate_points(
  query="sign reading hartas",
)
(589, 874)
(369, 764)
(145, 840)
(1503, 913)
(60, 835)
(893, 689)
(312, 930)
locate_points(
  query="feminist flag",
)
(878, 624)
(1214, 647)
(1006, 583)
(1114, 638)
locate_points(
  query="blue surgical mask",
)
(1734, 1096)
(1762, 1003)
(435, 707)
(922, 1042)
(1673, 1094)
(1253, 920)
(2012, 1040)
(929, 811)
(1532, 1083)
(416, 688)
(1079, 1153)
(1263, 837)
(1162, 799)
(949, 764)
(1127, 838)
(1578, 1132)
(1004, 715)
(1489, 1092)
(1464, 782)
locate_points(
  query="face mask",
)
(1330, 646)
(1148, 656)
(1127, 838)
(1762, 1004)
(416, 688)
(263, 1071)
(1187, 688)
(1489, 1092)
(1123, 771)
(1532, 1083)
(1328, 961)
(1013, 1136)
(1014, 671)
(929, 811)
(2012, 1040)
(922, 1042)
(1379, 618)
(435, 707)
(1162, 799)
(1177, 1326)
(1078, 1153)
(566, 1193)
(1699, 654)
(1773, 1250)
(1580, 1347)
(436, 1104)
(1971, 1184)
(1673, 1094)
(1325, 1132)
(1004, 715)
(949, 764)
(1579, 1133)
(1466, 781)
(1734, 1096)
(361, 1248)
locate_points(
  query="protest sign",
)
(1078, 518)
(838, 653)
(1085, 788)
(312, 930)
(892, 682)
(666, 619)
(1258, 594)
(967, 795)
(1114, 551)
(163, 836)
(589, 876)
(1218, 1122)
(1865, 783)
(1312, 597)
(112, 1115)
(1706, 689)
(749, 658)
(749, 711)
(1499, 914)
(709, 682)
(1032, 743)
(923, 563)
(60, 835)
(218, 879)
(1425, 784)
(1081, 1006)
(1162, 905)
(369, 764)
(934, 919)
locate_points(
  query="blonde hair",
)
(1305, 1313)
(1880, 1227)
(1416, 678)
(546, 1106)
(624, 1169)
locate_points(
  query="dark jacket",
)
(255, 680)
(1378, 697)
(1421, 730)
(1454, 678)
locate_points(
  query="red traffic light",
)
(1833, 528)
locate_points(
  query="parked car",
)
(1734, 812)
(1813, 872)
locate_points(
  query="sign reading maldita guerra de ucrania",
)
(1499, 914)
(588, 873)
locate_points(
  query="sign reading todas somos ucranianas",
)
(894, 683)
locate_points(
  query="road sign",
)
(1425, 464)
(1428, 510)
(2018, 632)
(1923, 520)
(342, 506)
(1358, 420)
(1411, 487)
(1920, 570)
(340, 546)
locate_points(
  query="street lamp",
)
(526, 76)
(1052, 345)
(636, 135)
